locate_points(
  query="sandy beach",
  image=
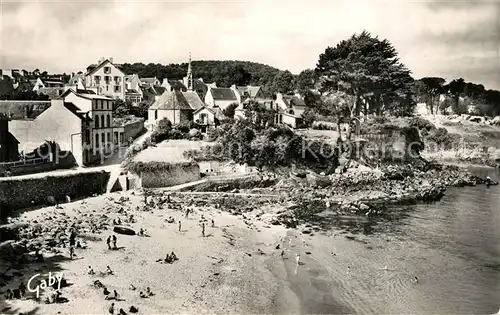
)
(235, 268)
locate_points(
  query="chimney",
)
(111, 59)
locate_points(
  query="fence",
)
(25, 162)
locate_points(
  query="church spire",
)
(189, 75)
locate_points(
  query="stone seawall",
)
(19, 193)
(176, 174)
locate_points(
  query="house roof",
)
(51, 92)
(199, 85)
(159, 89)
(75, 110)
(149, 80)
(176, 84)
(21, 110)
(193, 100)
(129, 77)
(223, 94)
(251, 90)
(171, 100)
(91, 69)
(86, 94)
(214, 110)
(292, 100)
(132, 91)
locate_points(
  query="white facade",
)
(107, 79)
(100, 109)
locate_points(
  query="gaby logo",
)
(45, 283)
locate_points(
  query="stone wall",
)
(133, 129)
(19, 193)
(177, 174)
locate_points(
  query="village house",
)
(100, 109)
(248, 92)
(221, 97)
(106, 78)
(133, 91)
(290, 109)
(173, 85)
(35, 122)
(47, 83)
(207, 117)
(171, 105)
(152, 93)
(9, 145)
(150, 82)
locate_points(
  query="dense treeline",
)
(223, 72)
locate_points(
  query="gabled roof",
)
(21, 110)
(171, 100)
(149, 80)
(251, 90)
(91, 69)
(199, 85)
(75, 110)
(129, 77)
(176, 84)
(292, 100)
(223, 94)
(216, 111)
(193, 100)
(86, 95)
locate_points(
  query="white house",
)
(46, 84)
(221, 97)
(133, 91)
(106, 79)
(208, 117)
(100, 110)
(150, 81)
(34, 122)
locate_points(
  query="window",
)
(107, 88)
(203, 117)
(117, 88)
(102, 122)
(96, 121)
(102, 138)
(107, 78)
(107, 70)
(97, 79)
(117, 79)
(109, 137)
(102, 102)
(108, 121)
(156, 114)
(96, 140)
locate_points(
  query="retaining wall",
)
(19, 193)
(175, 175)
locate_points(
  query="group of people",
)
(111, 239)
(16, 293)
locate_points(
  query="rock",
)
(123, 230)
(11, 231)
(306, 231)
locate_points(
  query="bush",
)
(421, 124)
(442, 137)
(138, 167)
(324, 126)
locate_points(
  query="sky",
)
(450, 39)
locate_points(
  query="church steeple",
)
(189, 75)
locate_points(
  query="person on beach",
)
(72, 238)
(131, 218)
(9, 294)
(108, 241)
(105, 292)
(142, 295)
(213, 223)
(203, 229)
(187, 212)
(114, 242)
(132, 287)
(415, 280)
(282, 254)
(111, 309)
(116, 295)
(149, 292)
(109, 271)
(290, 242)
(91, 271)
(180, 225)
(122, 312)
(71, 252)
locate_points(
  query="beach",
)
(234, 268)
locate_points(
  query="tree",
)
(456, 89)
(366, 68)
(284, 82)
(306, 81)
(230, 110)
